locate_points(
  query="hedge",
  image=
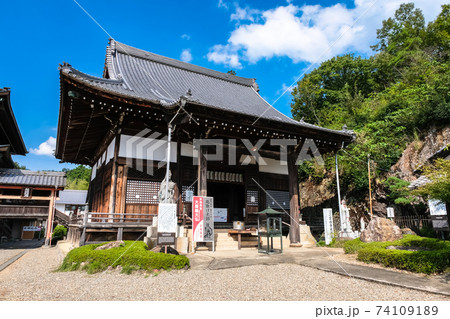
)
(132, 256)
(436, 259)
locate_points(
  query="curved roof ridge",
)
(67, 68)
(116, 46)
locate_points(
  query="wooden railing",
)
(95, 218)
(413, 221)
(23, 211)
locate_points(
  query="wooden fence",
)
(23, 211)
(97, 219)
(413, 222)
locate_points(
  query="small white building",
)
(71, 201)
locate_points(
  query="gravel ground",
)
(6, 254)
(31, 278)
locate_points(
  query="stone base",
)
(297, 245)
(150, 242)
(348, 235)
(306, 238)
(201, 248)
(182, 245)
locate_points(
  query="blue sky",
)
(273, 41)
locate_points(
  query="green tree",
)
(332, 94)
(403, 32)
(78, 178)
(386, 99)
(438, 35)
(398, 191)
(18, 166)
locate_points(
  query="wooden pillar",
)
(124, 192)
(294, 231)
(202, 171)
(112, 196)
(49, 230)
(83, 234)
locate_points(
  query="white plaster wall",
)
(104, 158)
(274, 166)
(146, 148)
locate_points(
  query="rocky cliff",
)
(418, 152)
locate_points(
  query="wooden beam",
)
(112, 196)
(202, 172)
(27, 198)
(294, 230)
(124, 190)
(48, 231)
(29, 186)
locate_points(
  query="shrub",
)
(425, 261)
(427, 231)
(59, 232)
(133, 256)
(352, 246)
(418, 261)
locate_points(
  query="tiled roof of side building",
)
(31, 178)
(72, 197)
(150, 77)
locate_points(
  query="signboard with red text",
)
(203, 219)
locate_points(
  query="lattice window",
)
(142, 192)
(183, 193)
(252, 198)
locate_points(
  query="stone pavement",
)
(318, 258)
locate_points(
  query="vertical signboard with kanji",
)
(167, 224)
(328, 224)
(203, 219)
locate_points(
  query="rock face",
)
(418, 152)
(408, 231)
(110, 245)
(381, 229)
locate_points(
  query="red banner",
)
(197, 217)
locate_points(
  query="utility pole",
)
(338, 190)
(370, 186)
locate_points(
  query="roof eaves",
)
(18, 147)
(94, 82)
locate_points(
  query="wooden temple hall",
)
(119, 125)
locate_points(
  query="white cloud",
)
(242, 14)
(224, 54)
(310, 33)
(186, 55)
(186, 36)
(285, 88)
(222, 4)
(46, 148)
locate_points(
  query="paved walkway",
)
(318, 258)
